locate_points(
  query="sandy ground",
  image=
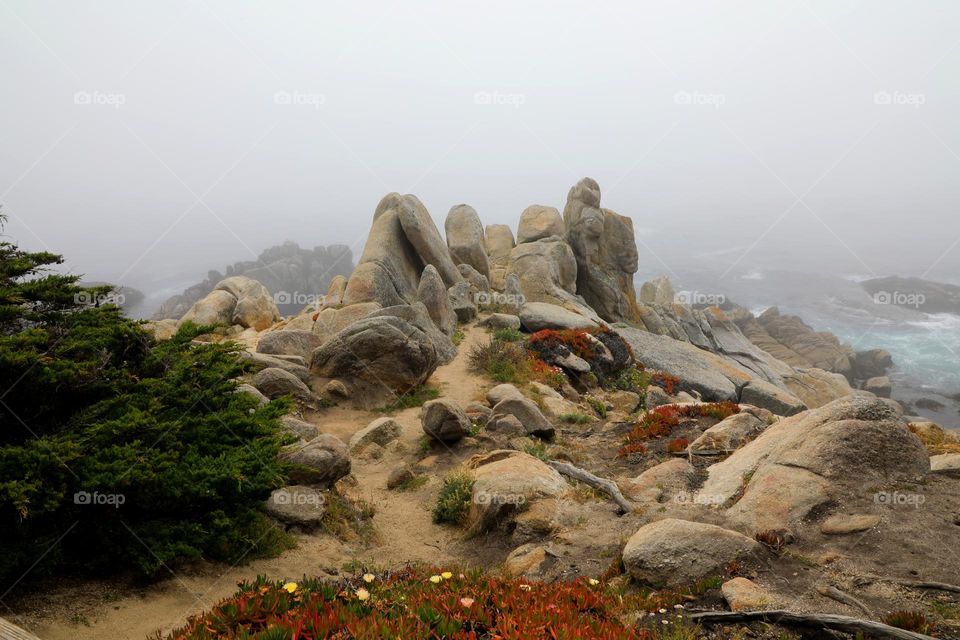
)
(405, 533)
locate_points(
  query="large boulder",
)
(879, 386)
(378, 357)
(417, 315)
(538, 221)
(299, 505)
(502, 392)
(675, 553)
(444, 420)
(465, 238)
(463, 302)
(216, 308)
(433, 294)
(381, 431)
(334, 295)
(499, 243)
(660, 482)
(529, 415)
(542, 315)
(274, 383)
(658, 291)
(259, 361)
(728, 434)
(507, 483)
(332, 320)
(814, 458)
(289, 343)
(605, 250)
(761, 393)
(321, 461)
(255, 306)
(425, 238)
(547, 272)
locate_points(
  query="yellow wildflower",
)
(363, 594)
(446, 575)
(435, 579)
(290, 587)
(368, 577)
(594, 581)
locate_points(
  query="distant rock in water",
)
(295, 276)
(915, 293)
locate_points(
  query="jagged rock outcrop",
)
(286, 270)
(605, 250)
(658, 291)
(813, 459)
(546, 270)
(403, 239)
(289, 343)
(465, 238)
(433, 295)
(507, 483)
(915, 293)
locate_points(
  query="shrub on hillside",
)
(116, 450)
(660, 422)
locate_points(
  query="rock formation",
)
(237, 300)
(465, 238)
(605, 250)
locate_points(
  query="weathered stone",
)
(842, 524)
(675, 553)
(502, 392)
(880, 386)
(465, 238)
(538, 221)
(547, 272)
(381, 431)
(289, 343)
(505, 425)
(528, 414)
(665, 480)
(946, 464)
(400, 475)
(255, 307)
(499, 242)
(529, 561)
(763, 394)
(321, 461)
(505, 483)
(502, 321)
(743, 595)
(416, 314)
(216, 308)
(378, 358)
(444, 420)
(433, 295)
(625, 401)
(423, 234)
(463, 302)
(253, 391)
(298, 505)
(301, 429)
(728, 435)
(335, 292)
(273, 383)
(605, 250)
(656, 397)
(541, 315)
(809, 459)
(331, 321)
(658, 291)
(479, 284)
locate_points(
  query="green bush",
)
(509, 335)
(576, 418)
(502, 361)
(453, 502)
(116, 450)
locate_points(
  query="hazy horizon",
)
(154, 142)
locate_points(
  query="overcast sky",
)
(150, 141)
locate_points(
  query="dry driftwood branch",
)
(607, 486)
(845, 598)
(813, 621)
(940, 586)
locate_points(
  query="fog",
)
(150, 142)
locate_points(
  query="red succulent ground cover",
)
(412, 603)
(660, 422)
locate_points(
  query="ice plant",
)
(368, 577)
(363, 594)
(290, 587)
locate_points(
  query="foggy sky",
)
(811, 135)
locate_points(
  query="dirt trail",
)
(402, 519)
